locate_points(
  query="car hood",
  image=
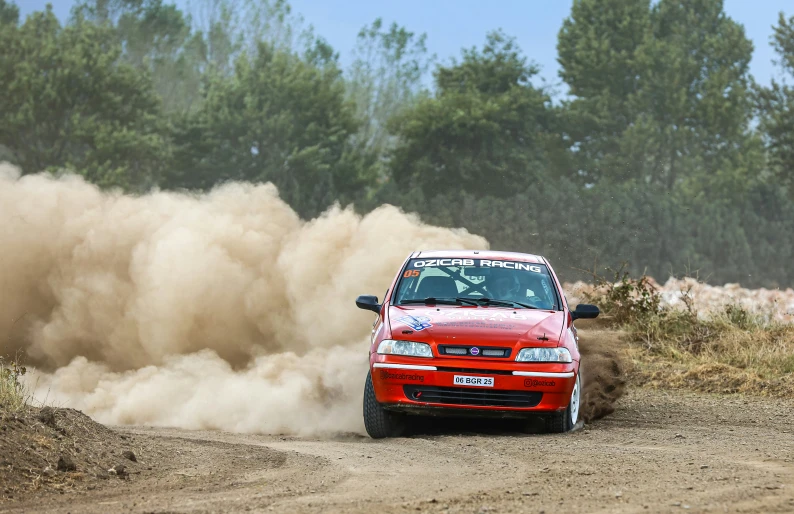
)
(483, 326)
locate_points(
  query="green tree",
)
(233, 27)
(66, 100)
(483, 130)
(384, 79)
(660, 92)
(597, 48)
(9, 13)
(278, 119)
(695, 107)
(158, 38)
(776, 106)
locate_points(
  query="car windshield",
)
(498, 283)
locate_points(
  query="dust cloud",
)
(603, 376)
(221, 310)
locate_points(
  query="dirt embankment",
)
(60, 450)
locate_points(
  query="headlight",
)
(543, 355)
(391, 347)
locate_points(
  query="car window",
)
(514, 281)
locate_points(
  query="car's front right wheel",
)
(564, 421)
(378, 421)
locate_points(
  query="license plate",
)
(464, 380)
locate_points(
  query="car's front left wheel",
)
(378, 421)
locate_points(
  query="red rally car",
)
(473, 333)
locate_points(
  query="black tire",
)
(560, 422)
(378, 421)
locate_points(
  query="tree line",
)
(664, 153)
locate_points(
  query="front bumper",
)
(518, 388)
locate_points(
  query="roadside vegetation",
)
(727, 350)
(14, 395)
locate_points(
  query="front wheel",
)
(564, 421)
(378, 421)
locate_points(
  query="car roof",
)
(477, 254)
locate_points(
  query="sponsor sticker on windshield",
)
(481, 263)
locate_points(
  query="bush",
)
(752, 349)
(732, 336)
(625, 300)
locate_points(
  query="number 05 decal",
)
(411, 273)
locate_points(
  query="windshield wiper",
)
(444, 301)
(506, 303)
(469, 301)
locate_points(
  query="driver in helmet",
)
(503, 284)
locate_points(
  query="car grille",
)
(465, 351)
(471, 396)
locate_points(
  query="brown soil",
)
(658, 452)
(59, 450)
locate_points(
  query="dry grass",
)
(733, 338)
(731, 350)
(14, 396)
(708, 378)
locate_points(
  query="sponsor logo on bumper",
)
(388, 375)
(534, 382)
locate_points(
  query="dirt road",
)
(659, 452)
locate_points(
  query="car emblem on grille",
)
(475, 351)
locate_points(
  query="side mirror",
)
(585, 311)
(368, 303)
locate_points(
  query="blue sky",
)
(453, 24)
